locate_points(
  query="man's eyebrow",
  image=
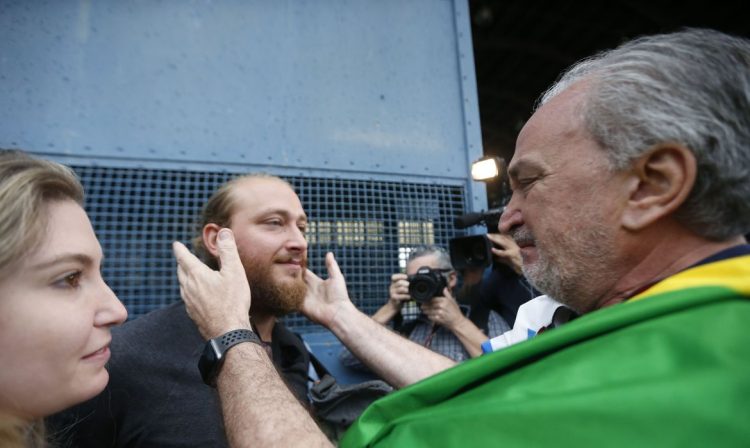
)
(524, 164)
(64, 258)
(285, 213)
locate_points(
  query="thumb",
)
(229, 258)
(333, 267)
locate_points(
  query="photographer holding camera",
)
(442, 325)
(503, 288)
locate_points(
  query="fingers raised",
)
(332, 266)
(185, 260)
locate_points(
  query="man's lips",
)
(301, 262)
(523, 238)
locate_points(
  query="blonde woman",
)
(55, 309)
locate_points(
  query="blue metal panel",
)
(368, 108)
(354, 86)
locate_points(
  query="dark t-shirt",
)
(155, 396)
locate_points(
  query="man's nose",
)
(297, 239)
(510, 218)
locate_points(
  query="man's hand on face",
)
(217, 301)
(506, 251)
(399, 291)
(325, 299)
(443, 310)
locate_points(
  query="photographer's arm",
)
(394, 358)
(258, 408)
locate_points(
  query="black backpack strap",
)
(320, 369)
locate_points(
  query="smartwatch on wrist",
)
(216, 349)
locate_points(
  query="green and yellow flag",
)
(670, 367)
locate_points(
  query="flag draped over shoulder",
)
(670, 367)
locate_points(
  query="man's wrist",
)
(216, 349)
(456, 325)
(396, 305)
(344, 317)
(217, 329)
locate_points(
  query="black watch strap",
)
(215, 350)
(234, 337)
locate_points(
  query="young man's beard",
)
(272, 297)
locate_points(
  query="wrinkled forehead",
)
(557, 123)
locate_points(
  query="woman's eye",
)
(71, 280)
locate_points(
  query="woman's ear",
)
(661, 181)
(209, 234)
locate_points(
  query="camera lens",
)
(426, 284)
(421, 289)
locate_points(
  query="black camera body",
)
(474, 251)
(426, 284)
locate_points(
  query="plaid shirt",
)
(441, 340)
(436, 338)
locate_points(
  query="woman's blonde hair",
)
(16, 433)
(26, 185)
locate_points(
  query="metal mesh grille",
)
(369, 225)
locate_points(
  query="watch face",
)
(209, 361)
(213, 353)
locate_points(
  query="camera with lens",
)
(426, 284)
(474, 251)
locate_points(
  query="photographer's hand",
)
(399, 290)
(506, 251)
(443, 310)
(399, 294)
(446, 312)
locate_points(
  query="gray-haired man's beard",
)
(573, 273)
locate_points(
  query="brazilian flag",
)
(670, 367)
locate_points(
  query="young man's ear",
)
(660, 183)
(209, 234)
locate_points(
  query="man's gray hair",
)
(443, 259)
(692, 88)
